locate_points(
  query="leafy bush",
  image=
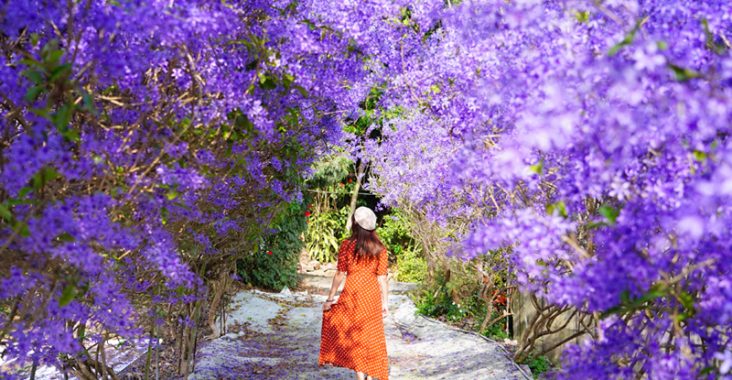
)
(274, 265)
(329, 170)
(446, 297)
(412, 266)
(538, 365)
(496, 330)
(395, 234)
(453, 295)
(324, 233)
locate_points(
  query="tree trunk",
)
(218, 287)
(361, 168)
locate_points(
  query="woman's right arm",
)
(337, 280)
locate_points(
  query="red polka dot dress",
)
(353, 329)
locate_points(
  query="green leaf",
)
(35, 76)
(628, 38)
(43, 176)
(242, 121)
(32, 94)
(65, 237)
(707, 370)
(656, 291)
(252, 65)
(595, 225)
(583, 17)
(267, 82)
(683, 74)
(287, 80)
(628, 304)
(172, 194)
(30, 62)
(164, 215)
(61, 119)
(67, 295)
(700, 156)
(625, 296)
(558, 207)
(21, 199)
(5, 212)
(710, 43)
(60, 71)
(610, 213)
(537, 168)
(22, 229)
(687, 300)
(49, 174)
(53, 57)
(89, 104)
(304, 92)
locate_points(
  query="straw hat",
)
(365, 218)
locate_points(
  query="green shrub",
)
(324, 233)
(395, 234)
(455, 298)
(432, 304)
(277, 269)
(538, 365)
(437, 302)
(330, 170)
(412, 267)
(497, 330)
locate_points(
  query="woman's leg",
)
(363, 376)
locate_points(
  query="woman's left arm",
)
(382, 272)
(384, 285)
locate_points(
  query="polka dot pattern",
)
(353, 329)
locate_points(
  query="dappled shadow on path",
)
(417, 348)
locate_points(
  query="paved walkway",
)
(277, 336)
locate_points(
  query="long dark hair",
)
(368, 245)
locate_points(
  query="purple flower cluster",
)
(146, 143)
(589, 142)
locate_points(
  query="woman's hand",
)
(327, 305)
(384, 310)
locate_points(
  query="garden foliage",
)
(273, 263)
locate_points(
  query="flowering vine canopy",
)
(145, 142)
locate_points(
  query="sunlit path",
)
(277, 336)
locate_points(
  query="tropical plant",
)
(325, 232)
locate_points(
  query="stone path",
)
(277, 336)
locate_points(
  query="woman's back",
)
(353, 329)
(349, 263)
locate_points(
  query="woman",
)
(353, 328)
